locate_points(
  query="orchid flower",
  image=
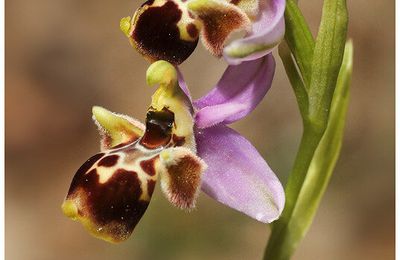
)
(187, 144)
(170, 29)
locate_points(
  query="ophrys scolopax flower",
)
(111, 191)
(170, 29)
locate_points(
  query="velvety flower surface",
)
(187, 144)
(237, 175)
(170, 29)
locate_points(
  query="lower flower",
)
(186, 143)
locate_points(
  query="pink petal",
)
(213, 115)
(237, 175)
(267, 31)
(237, 93)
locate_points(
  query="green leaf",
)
(327, 59)
(326, 155)
(299, 39)
(286, 236)
(294, 78)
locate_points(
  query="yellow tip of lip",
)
(70, 209)
(125, 25)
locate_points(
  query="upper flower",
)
(169, 29)
(188, 144)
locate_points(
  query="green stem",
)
(281, 244)
(319, 66)
(288, 231)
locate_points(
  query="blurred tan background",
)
(64, 56)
